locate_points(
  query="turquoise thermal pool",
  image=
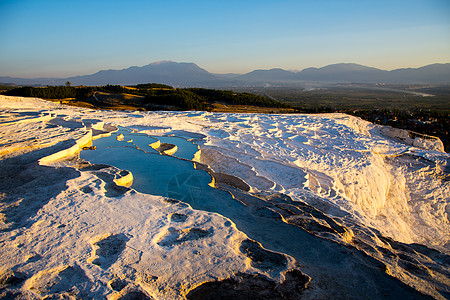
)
(163, 175)
(175, 177)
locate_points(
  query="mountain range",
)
(190, 74)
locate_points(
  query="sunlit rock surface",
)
(197, 205)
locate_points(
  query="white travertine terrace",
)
(378, 196)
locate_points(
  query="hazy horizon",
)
(257, 69)
(48, 39)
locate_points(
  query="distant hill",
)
(268, 75)
(189, 74)
(162, 72)
(167, 72)
(435, 73)
(344, 72)
(349, 72)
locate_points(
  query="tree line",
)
(154, 93)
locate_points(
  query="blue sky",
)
(60, 38)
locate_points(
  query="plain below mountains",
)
(189, 74)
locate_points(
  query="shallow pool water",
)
(156, 174)
(186, 149)
(177, 178)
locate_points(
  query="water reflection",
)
(153, 173)
(177, 178)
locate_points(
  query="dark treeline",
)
(6, 87)
(153, 86)
(154, 93)
(232, 98)
(52, 92)
(199, 99)
(178, 98)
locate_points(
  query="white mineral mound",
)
(70, 228)
(386, 184)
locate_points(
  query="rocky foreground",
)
(243, 206)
